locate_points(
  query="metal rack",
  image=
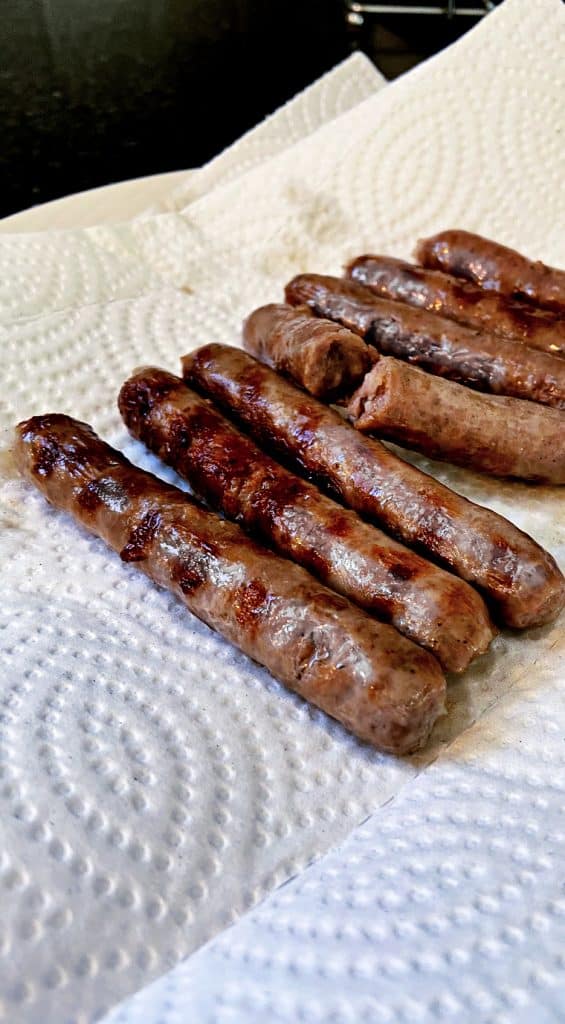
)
(357, 9)
(399, 35)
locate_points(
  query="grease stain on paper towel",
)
(315, 220)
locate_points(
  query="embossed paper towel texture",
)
(119, 710)
(447, 905)
(154, 783)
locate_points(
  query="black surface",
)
(97, 91)
(94, 91)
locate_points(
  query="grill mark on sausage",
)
(250, 601)
(272, 496)
(141, 538)
(193, 568)
(340, 526)
(401, 571)
(141, 397)
(201, 434)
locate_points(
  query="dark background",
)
(97, 91)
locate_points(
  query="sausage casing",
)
(324, 357)
(502, 366)
(224, 466)
(451, 297)
(479, 545)
(494, 267)
(501, 436)
(347, 302)
(381, 686)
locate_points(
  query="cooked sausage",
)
(479, 545)
(323, 357)
(233, 475)
(502, 366)
(494, 267)
(460, 300)
(501, 436)
(377, 683)
(346, 302)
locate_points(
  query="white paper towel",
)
(447, 905)
(123, 851)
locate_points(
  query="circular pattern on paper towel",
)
(52, 276)
(418, 917)
(82, 356)
(118, 771)
(144, 766)
(425, 157)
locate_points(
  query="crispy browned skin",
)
(494, 267)
(487, 362)
(232, 474)
(459, 300)
(479, 545)
(377, 683)
(323, 357)
(501, 436)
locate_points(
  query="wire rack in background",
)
(451, 9)
(398, 35)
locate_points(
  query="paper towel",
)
(119, 710)
(446, 906)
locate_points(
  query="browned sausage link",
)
(502, 366)
(346, 302)
(459, 300)
(502, 436)
(479, 545)
(323, 357)
(494, 267)
(381, 686)
(232, 474)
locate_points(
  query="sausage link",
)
(233, 475)
(502, 366)
(479, 545)
(459, 300)
(347, 302)
(501, 436)
(323, 357)
(494, 267)
(377, 683)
